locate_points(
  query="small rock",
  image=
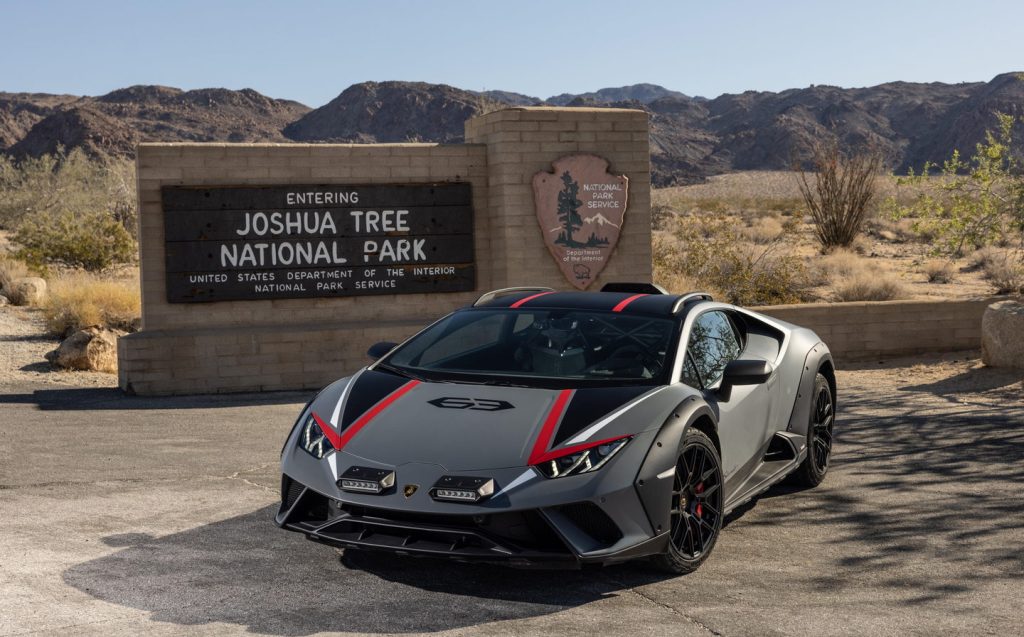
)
(93, 349)
(1001, 328)
(29, 290)
(4, 300)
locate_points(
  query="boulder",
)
(4, 300)
(93, 349)
(29, 290)
(1002, 334)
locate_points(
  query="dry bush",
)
(938, 271)
(763, 230)
(851, 277)
(982, 258)
(78, 300)
(705, 252)
(1005, 272)
(11, 269)
(843, 187)
(869, 286)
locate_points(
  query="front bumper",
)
(546, 537)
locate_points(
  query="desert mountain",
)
(392, 112)
(691, 137)
(115, 122)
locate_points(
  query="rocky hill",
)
(32, 124)
(691, 137)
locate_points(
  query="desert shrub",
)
(66, 182)
(92, 241)
(1005, 272)
(68, 209)
(660, 215)
(79, 300)
(707, 252)
(11, 269)
(868, 286)
(970, 204)
(938, 271)
(842, 189)
(982, 257)
(763, 230)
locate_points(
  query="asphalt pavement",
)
(127, 516)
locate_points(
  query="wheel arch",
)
(653, 486)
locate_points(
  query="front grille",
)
(593, 521)
(525, 530)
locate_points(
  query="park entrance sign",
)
(224, 244)
(275, 266)
(580, 208)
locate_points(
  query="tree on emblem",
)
(568, 215)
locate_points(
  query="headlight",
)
(582, 460)
(312, 438)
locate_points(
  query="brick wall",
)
(870, 330)
(523, 141)
(306, 343)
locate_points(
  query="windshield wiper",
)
(400, 372)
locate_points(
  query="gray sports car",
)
(562, 428)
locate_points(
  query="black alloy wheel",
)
(820, 432)
(696, 505)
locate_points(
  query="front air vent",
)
(290, 492)
(593, 521)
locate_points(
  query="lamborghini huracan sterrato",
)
(562, 428)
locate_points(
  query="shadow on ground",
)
(932, 478)
(111, 398)
(246, 571)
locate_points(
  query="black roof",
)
(630, 303)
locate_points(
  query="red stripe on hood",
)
(339, 441)
(540, 447)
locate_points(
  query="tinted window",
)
(593, 347)
(713, 344)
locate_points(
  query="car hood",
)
(391, 420)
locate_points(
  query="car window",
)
(690, 376)
(713, 343)
(464, 338)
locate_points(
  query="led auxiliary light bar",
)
(366, 480)
(462, 489)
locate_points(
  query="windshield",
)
(536, 347)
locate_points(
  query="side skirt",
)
(767, 475)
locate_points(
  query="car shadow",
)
(112, 398)
(247, 572)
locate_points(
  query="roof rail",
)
(635, 288)
(493, 294)
(691, 296)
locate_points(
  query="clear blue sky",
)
(311, 50)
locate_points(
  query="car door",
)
(743, 420)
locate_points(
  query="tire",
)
(812, 470)
(696, 505)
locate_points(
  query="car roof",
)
(666, 305)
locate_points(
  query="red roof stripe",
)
(622, 305)
(529, 298)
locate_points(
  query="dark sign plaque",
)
(283, 242)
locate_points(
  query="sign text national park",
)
(225, 243)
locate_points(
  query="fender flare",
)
(653, 487)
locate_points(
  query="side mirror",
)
(378, 350)
(743, 372)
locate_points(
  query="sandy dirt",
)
(23, 347)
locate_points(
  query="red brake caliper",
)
(699, 489)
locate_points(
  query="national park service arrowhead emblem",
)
(580, 208)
